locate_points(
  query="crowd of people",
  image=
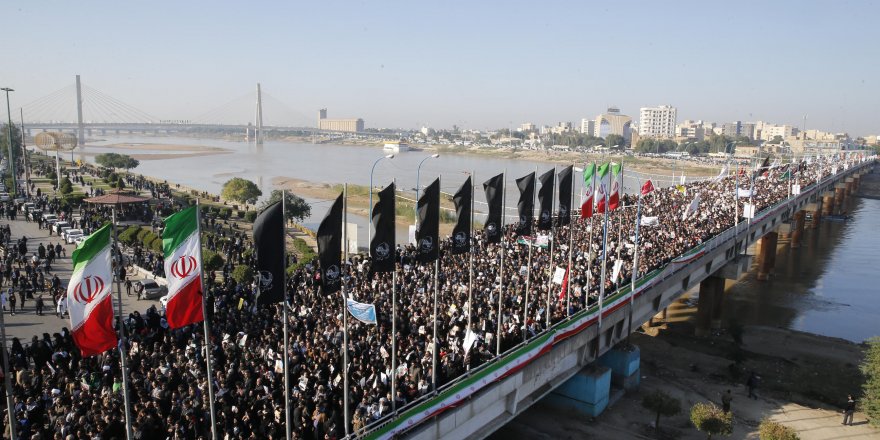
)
(59, 394)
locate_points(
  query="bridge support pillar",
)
(839, 195)
(828, 203)
(586, 392)
(709, 305)
(624, 364)
(849, 182)
(857, 181)
(797, 229)
(815, 210)
(767, 255)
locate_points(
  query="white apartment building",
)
(588, 126)
(657, 122)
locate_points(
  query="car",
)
(4, 197)
(49, 218)
(81, 239)
(71, 234)
(34, 215)
(63, 231)
(27, 207)
(149, 289)
(58, 226)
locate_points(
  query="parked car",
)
(71, 234)
(81, 239)
(59, 225)
(4, 197)
(63, 231)
(149, 289)
(27, 207)
(34, 215)
(49, 218)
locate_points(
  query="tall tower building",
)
(657, 122)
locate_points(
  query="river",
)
(825, 287)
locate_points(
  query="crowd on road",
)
(59, 394)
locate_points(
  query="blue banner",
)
(365, 313)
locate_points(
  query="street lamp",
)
(9, 141)
(370, 220)
(418, 172)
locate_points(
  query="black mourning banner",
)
(494, 188)
(565, 190)
(382, 245)
(330, 247)
(461, 233)
(428, 233)
(269, 244)
(526, 205)
(545, 200)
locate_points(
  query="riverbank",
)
(804, 382)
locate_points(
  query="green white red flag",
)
(603, 185)
(183, 268)
(590, 189)
(89, 295)
(616, 181)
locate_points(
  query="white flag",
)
(748, 210)
(558, 275)
(695, 203)
(683, 179)
(722, 174)
(469, 339)
(616, 271)
(743, 193)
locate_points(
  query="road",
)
(26, 323)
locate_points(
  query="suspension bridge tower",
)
(258, 136)
(80, 127)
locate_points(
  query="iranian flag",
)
(590, 187)
(183, 268)
(603, 185)
(616, 181)
(89, 295)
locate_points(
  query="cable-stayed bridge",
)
(85, 111)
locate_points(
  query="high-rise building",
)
(588, 126)
(657, 122)
(350, 125)
(612, 122)
(528, 126)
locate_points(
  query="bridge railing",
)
(517, 357)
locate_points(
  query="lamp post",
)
(418, 173)
(9, 141)
(370, 219)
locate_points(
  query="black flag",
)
(382, 245)
(461, 233)
(269, 244)
(330, 247)
(565, 190)
(428, 234)
(526, 205)
(494, 188)
(545, 197)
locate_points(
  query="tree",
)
(116, 160)
(870, 403)
(770, 430)
(709, 418)
(243, 274)
(66, 186)
(776, 139)
(295, 207)
(615, 139)
(241, 190)
(211, 260)
(661, 404)
(16, 140)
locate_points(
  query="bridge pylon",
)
(258, 136)
(80, 127)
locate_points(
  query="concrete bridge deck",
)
(476, 405)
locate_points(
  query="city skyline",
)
(483, 66)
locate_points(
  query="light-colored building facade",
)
(612, 122)
(690, 130)
(350, 125)
(588, 126)
(563, 127)
(657, 122)
(528, 126)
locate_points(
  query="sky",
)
(475, 64)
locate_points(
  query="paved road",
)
(27, 323)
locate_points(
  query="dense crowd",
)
(60, 395)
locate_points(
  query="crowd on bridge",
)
(58, 394)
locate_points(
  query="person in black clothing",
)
(752, 383)
(849, 410)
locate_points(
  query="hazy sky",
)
(478, 64)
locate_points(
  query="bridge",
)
(560, 363)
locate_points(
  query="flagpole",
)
(501, 266)
(346, 416)
(470, 268)
(436, 294)
(288, 426)
(206, 327)
(529, 267)
(604, 246)
(122, 350)
(7, 380)
(571, 224)
(552, 241)
(394, 315)
(635, 269)
(590, 241)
